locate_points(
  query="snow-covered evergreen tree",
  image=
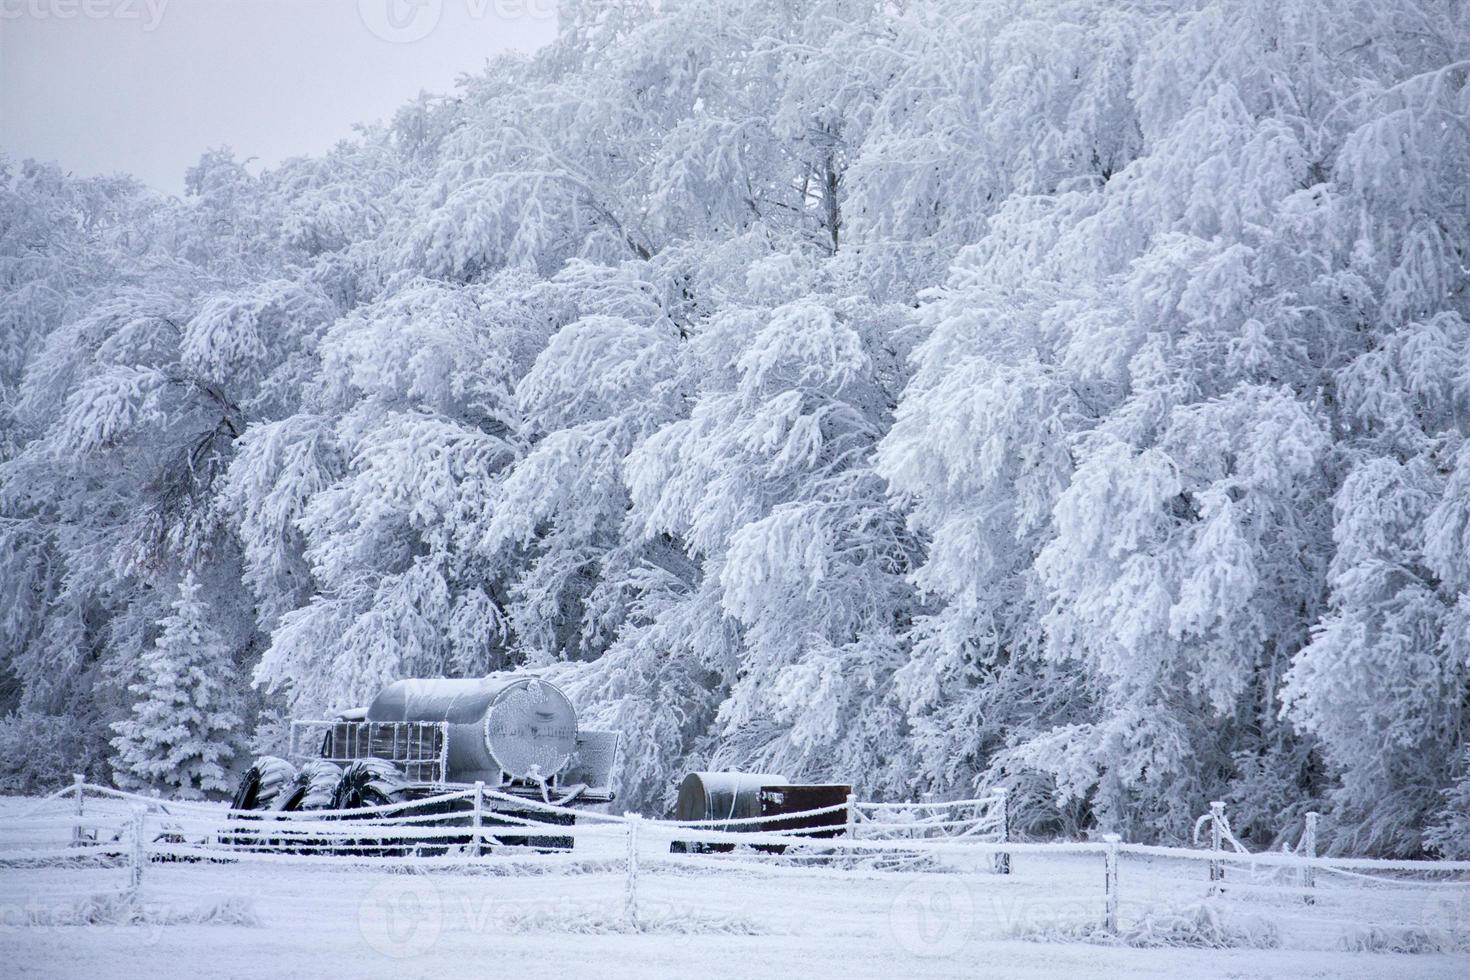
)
(183, 730)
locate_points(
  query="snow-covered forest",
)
(1071, 395)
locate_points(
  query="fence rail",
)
(116, 841)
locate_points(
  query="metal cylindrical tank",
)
(724, 796)
(504, 722)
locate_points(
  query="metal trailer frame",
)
(421, 750)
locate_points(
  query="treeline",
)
(1068, 394)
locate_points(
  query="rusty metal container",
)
(776, 801)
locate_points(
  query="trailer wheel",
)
(368, 782)
(313, 788)
(263, 783)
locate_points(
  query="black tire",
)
(261, 787)
(370, 783)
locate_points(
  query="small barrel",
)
(724, 796)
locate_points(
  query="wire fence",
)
(920, 862)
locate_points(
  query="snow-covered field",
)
(520, 916)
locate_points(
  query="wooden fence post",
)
(138, 854)
(1110, 881)
(852, 817)
(477, 842)
(79, 784)
(630, 897)
(1003, 859)
(1309, 847)
(1217, 841)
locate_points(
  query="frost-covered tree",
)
(184, 729)
(361, 517)
(766, 486)
(1143, 389)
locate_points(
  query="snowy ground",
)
(354, 921)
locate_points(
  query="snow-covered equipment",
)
(497, 727)
(516, 733)
(509, 737)
(716, 796)
(812, 810)
(315, 786)
(264, 783)
(368, 783)
(757, 802)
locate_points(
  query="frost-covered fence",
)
(453, 826)
(1308, 847)
(79, 790)
(89, 841)
(983, 818)
(630, 900)
(66, 847)
(1220, 834)
(1110, 882)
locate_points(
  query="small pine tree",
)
(182, 729)
(1449, 834)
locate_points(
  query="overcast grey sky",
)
(144, 86)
